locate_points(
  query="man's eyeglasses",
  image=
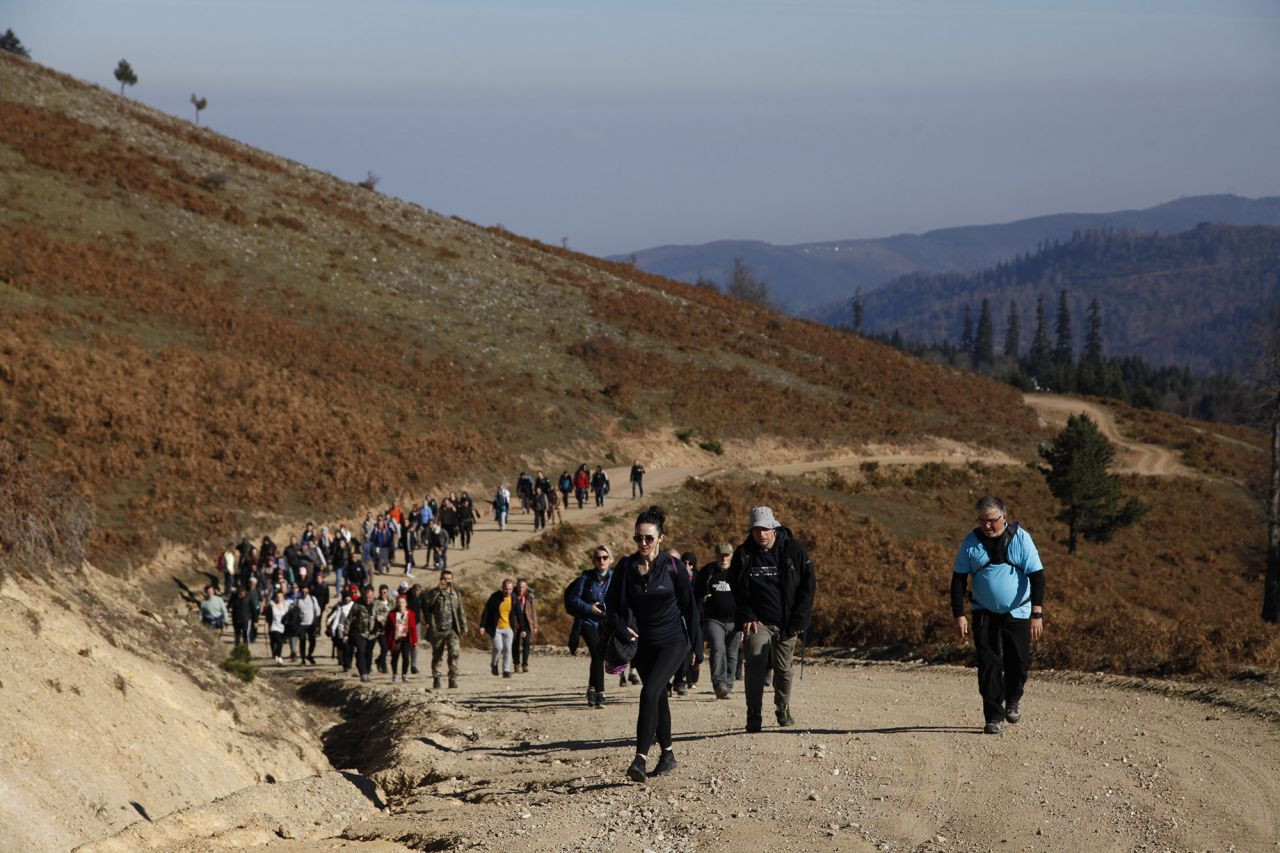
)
(990, 522)
(645, 538)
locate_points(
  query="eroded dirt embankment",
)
(112, 712)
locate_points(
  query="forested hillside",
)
(1192, 299)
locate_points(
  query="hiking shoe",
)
(394, 678)
(453, 683)
(622, 680)
(435, 682)
(634, 678)
(591, 697)
(991, 728)
(722, 693)
(784, 716)
(754, 725)
(599, 698)
(636, 771)
(506, 675)
(1012, 713)
(494, 669)
(412, 669)
(666, 763)
(524, 667)
(681, 689)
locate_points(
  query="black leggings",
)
(307, 643)
(277, 643)
(364, 654)
(464, 535)
(595, 639)
(400, 655)
(656, 665)
(523, 645)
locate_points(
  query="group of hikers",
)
(649, 614)
(546, 501)
(754, 603)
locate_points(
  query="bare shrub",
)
(213, 181)
(370, 181)
(45, 519)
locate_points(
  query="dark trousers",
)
(242, 633)
(1004, 659)
(595, 638)
(656, 665)
(581, 495)
(382, 649)
(464, 535)
(523, 646)
(345, 649)
(400, 657)
(364, 654)
(307, 642)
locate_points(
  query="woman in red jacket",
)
(402, 637)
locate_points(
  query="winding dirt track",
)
(1131, 456)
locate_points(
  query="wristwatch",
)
(1039, 614)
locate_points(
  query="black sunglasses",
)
(641, 537)
(599, 558)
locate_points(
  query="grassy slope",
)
(287, 342)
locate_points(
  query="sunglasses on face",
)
(600, 558)
(646, 539)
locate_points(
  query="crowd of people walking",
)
(645, 619)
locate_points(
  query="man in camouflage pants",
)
(446, 623)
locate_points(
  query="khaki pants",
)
(440, 641)
(764, 650)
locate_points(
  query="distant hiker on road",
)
(773, 585)
(637, 478)
(337, 629)
(497, 623)
(1008, 608)
(553, 503)
(501, 506)
(586, 602)
(716, 602)
(308, 624)
(600, 485)
(401, 637)
(524, 491)
(466, 520)
(241, 615)
(213, 610)
(526, 616)
(361, 633)
(565, 485)
(654, 590)
(540, 506)
(581, 483)
(277, 609)
(446, 624)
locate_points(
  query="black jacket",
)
(798, 582)
(489, 618)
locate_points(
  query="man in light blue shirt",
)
(1008, 608)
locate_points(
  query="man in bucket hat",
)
(773, 585)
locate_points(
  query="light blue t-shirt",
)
(1000, 587)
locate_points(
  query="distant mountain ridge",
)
(813, 279)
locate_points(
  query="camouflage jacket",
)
(360, 621)
(438, 604)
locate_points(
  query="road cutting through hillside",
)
(1132, 457)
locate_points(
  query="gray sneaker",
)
(1012, 713)
(991, 728)
(784, 716)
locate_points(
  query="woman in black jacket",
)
(652, 590)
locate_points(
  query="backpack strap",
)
(1006, 538)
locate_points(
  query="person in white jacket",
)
(337, 630)
(309, 625)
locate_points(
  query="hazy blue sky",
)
(623, 125)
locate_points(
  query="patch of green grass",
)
(711, 445)
(240, 664)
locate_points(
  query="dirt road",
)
(1131, 456)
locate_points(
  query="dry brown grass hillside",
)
(196, 331)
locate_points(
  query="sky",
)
(617, 126)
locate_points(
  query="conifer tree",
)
(1093, 506)
(1093, 341)
(984, 344)
(1012, 332)
(1062, 351)
(744, 285)
(10, 42)
(857, 311)
(1039, 359)
(966, 331)
(124, 74)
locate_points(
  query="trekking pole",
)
(804, 647)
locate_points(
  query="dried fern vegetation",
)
(194, 331)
